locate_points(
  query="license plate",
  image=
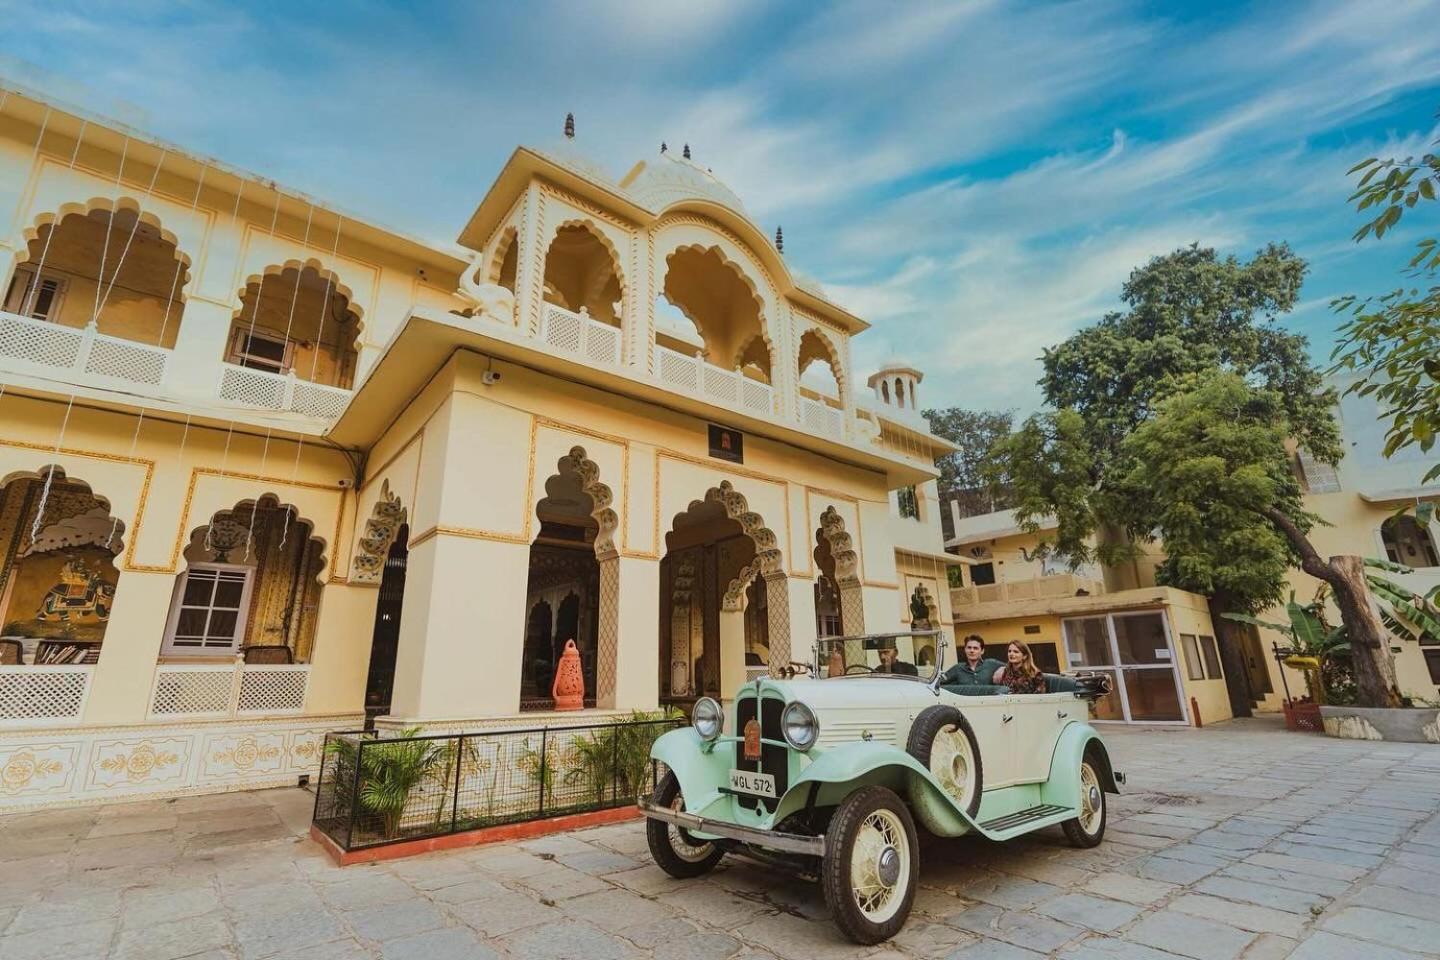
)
(747, 781)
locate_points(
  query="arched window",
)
(718, 304)
(58, 570)
(899, 392)
(581, 274)
(819, 369)
(1409, 543)
(296, 318)
(121, 262)
(885, 391)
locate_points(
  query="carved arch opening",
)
(723, 307)
(583, 274)
(387, 517)
(575, 573)
(818, 369)
(838, 563)
(297, 317)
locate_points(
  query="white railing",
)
(80, 350)
(32, 695)
(579, 334)
(1035, 588)
(277, 391)
(822, 418)
(228, 690)
(729, 388)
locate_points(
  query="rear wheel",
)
(871, 865)
(674, 849)
(1088, 829)
(942, 740)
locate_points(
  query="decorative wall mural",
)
(81, 595)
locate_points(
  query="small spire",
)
(686, 152)
(663, 146)
(779, 240)
(569, 126)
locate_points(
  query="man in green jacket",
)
(975, 670)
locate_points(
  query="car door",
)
(986, 716)
(1035, 724)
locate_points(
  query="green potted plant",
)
(1313, 649)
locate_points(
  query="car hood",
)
(853, 693)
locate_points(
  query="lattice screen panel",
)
(136, 362)
(254, 387)
(756, 396)
(679, 370)
(722, 385)
(318, 400)
(562, 329)
(42, 693)
(602, 343)
(192, 691)
(276, 690)
(39, 341)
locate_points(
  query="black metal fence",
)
(374, 790)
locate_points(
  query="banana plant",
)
(1406, 614)
(1313, 642)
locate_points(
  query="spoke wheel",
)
(674, 849)
(941, 739)
(870, 866)
(1088, 828)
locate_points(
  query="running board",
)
(1021, 818)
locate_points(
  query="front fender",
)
(701, 767)
(840, 770)
(1063, 786)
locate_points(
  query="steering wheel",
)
(858, 668)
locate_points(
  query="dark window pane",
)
(191, 623)
(222, 624)
(1212, 658)
(1152, 695)
(1142, 639)
(198, 587)
(1087, 643)
(228, 593)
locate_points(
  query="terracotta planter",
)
(1398, 725)
(1303, 716)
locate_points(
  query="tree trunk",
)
(1232, 654)
(1369, 640)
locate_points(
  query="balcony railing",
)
(579, 334)
(83, 351)
(205, 690)
(728, 388)
(276, 391)
(1036, 588)
(49, 694)
(821, 418)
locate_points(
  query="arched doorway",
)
(572, 592)
(724, 611)
(385, 639)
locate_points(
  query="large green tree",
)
(1189, 316)
(1392, 341)
(968, 475)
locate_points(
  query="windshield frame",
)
(936, 634)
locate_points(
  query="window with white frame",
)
(259, 351)
(208, 612)
(1194, 666)
(40, 301)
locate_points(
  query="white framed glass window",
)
(1136, 652)
(1194, 666)
(259, 350)
(39, 301)
(208, 613)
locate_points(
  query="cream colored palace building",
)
(268, 468)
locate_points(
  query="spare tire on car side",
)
(942, 740)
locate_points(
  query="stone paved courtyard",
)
(1235, 841)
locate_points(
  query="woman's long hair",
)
(1027, 662)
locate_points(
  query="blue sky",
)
(977, 179)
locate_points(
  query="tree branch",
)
(1310, 561)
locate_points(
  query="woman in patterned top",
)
(1020, 674)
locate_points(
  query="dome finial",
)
(663, 146)
(569, 126)
(686, 152)
(779, 240)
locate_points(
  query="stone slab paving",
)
(1237, 842)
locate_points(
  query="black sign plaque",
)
(727, 444)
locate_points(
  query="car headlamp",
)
(800, 726)
(707, 718)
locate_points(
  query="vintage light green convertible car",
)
(828, 775)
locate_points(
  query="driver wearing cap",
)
(890, 661)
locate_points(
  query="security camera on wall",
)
(490, 377)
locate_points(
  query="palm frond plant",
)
(1314, 644)
(613, 762)
(391, 772)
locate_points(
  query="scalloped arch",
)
(837, 368)
(58, 473)
(509, 236)
(726, 260)
(337, 285)
(50, 218)
(386, 518)
(268, 501)
(601, 499)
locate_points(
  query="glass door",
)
(1135, 651)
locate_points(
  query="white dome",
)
(568, 155)
(670, 178)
